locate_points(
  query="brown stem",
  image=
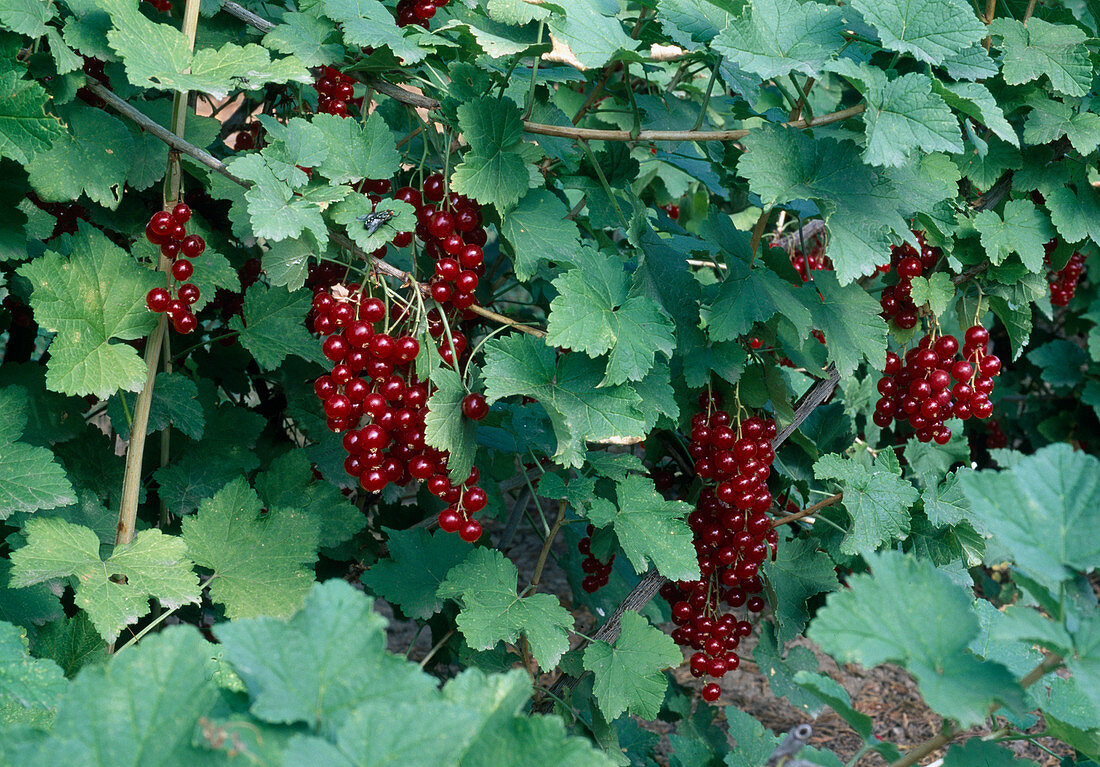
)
(808, 511)
(554, 528)
(1030, 10)
(758, 231)
(951, 731)
(796, 113)
(798, 238)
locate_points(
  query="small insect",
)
(372, 222)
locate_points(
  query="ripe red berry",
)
(182, 270)
(474, 406)
(193, 246)
(433, 188)
(188, 293)
(470, 531)
(157, 299)
(910, 267)
(181, 213)
(976, 336)
(711, 692)
(186, 323)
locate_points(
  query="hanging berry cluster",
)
(169, 231)
(897, 303)
(417, 11)
(733, 536)
(373, 377)
(1063, 283)
(335, 91)
(917, 388)
(595, 572)
(452, 235)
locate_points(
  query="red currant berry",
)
(193, 246)
(186, 323)
(474, 406)
(181, 213)
(158, 299)
(188, 293)
(433, 188)
(182, 270)
(711, 692)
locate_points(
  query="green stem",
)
(530, 105)
(710, 90)
(603, 182)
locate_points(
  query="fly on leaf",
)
(372, 222)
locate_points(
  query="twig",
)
(814, 396)
(541, 563)
(797, 238)
(758, 231)
(1030, 10)
(808, 511)
(436, 647)
(247, 16)
(951, 731)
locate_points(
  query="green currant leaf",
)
(1040, 510)
(538, 230)
(99, 146)
(903, 115)
(29, 687)
(975, 751)
(495, 170)
(175, 402)
(272, 326)
(322, 663)
(492, 611)
(747, 296)
(154, 565)
(799, 573)
(628, 673)
(30, 478)
(174, 664)
(447, 428)
(591, 32)
(369, 23)
(849, 319)
(1041, 48)
(1075, 212)
(1049, 120)
(568, 389)
(928, 30)
(419, 562)
(1024, 230)
(974, 100)
(26, 129)
(597, 313)
(289, 483)
(91, 298)
(909, 612)
(307, 37)
(649, 528)
(877, 499)
(159, 56)
(859, 203)
(261, 562)
(773, 38)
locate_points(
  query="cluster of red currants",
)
(417, 11)
(1063, 283)
(897, 303)
(732, 534)
(810, 259)
(672, 209)
(373, 377)
(918, 388)
(595, 572)
(169, 231)
(996, 437)
(335, 91)
(453, 235)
